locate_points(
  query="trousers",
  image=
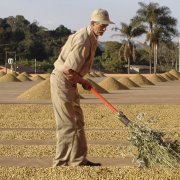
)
(71, 145)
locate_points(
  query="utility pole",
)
(35, 66)
(6, 62)
(155, 58)
(179, 51)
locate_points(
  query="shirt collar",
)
(91, 33)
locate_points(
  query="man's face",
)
(99, 28)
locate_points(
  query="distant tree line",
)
(31, 41)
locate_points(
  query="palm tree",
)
(128, 31)
(159, 24)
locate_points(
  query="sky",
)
(75, 14)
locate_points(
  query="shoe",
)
(89, 163)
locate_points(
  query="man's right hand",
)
(71, 76)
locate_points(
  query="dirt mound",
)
(111, 84)
(171, 76)
(101, 90)
(141, 80)
(37, 78)
(127, 82)
(100, 74)
(88, 75)
(162, 78)
(165, 76)
(168, 77)
(14, 74)
(9, 78)
(94, 74)
(2, 73)
(26, 74)
(46, 76)
(22, 78)
(154, 78)
(39, 91)
(174, 73)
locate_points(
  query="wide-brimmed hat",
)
(101, 16)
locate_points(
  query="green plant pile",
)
(153, 149)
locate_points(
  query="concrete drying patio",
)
(161, 93)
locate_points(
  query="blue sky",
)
(75, 14)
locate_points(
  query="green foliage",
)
(97, 65)
(110, 58)
(152, 147)
(142, 57)
(25, 62)
(29, 40)
(112, 64)
(111, 46)
(46, 66)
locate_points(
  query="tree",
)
(29, 40)
(109, 59)
(160, 26)
(168, 55)
(128, 31)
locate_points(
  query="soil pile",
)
(154, 78)
(2, 73)
(39, 91)
(37, 78)
(26, 74)
(174, 73)
(167, 77)
(94, 74)
(127, 82)
(171, 76)
(162, 78)
(88, 75)
(100, 74)
(14, 74)
(111, 84)
(141, 80)
(100, 89)
(46, 76)
(9, 78)
(22, 78)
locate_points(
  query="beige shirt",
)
(78, 52)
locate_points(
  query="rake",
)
(152, 148)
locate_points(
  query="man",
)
(73, 63)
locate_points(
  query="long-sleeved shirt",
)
(78, 52)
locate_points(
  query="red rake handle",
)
(104, 100)
(121, 116)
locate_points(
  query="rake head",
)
(123, 118)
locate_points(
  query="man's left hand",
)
(86, 85)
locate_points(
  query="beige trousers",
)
(71, 147)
